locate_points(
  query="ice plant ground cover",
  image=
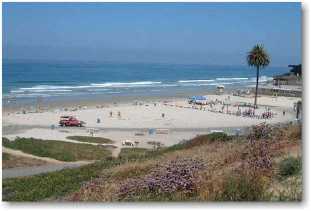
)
(176, 175)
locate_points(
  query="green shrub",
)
(218, 136)
(242, 188)
(209, 138)
(290, 166)
(132, 154)
(142, 154)
(199, 140)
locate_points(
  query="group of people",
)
(267, 115)
(249, 112)
(224, 107)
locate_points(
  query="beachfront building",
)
(293, 77)
(288, 84)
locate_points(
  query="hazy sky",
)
(209, 33)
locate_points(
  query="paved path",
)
(53, 165)
(29, 171)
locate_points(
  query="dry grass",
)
(216, 155)
(11, 161)
(105, 188)
(132, 170)
(289, 189)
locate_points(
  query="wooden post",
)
(298, 109)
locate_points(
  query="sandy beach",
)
(180, 121)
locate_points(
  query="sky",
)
(182, 33)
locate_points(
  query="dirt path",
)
(115, 152)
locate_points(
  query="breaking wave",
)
(116, 87)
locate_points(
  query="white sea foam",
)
(17, 91)
(46, 87)
(52, 90)
(33, 95)
(230, 79)
(42, 88)
(168, 85)
(191, 81)
(224, 83)
(117, 87)
(126, 84)
(262, 79)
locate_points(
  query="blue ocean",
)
(66, 80)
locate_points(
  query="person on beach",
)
(283, 113)
(163, 115)
(295, 106)
(110, 113)
(119, 114)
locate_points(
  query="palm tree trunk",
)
(256, 91)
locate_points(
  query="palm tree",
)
(258, 58)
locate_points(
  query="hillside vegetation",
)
(59, 150)
(264, 166)
(90, 139)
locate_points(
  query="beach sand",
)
(181, 120)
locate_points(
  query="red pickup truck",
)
(70, 121)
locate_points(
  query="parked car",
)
(70, 121)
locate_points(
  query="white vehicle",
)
(216, 131)
(128, 143)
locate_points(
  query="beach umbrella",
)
(199, 98)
